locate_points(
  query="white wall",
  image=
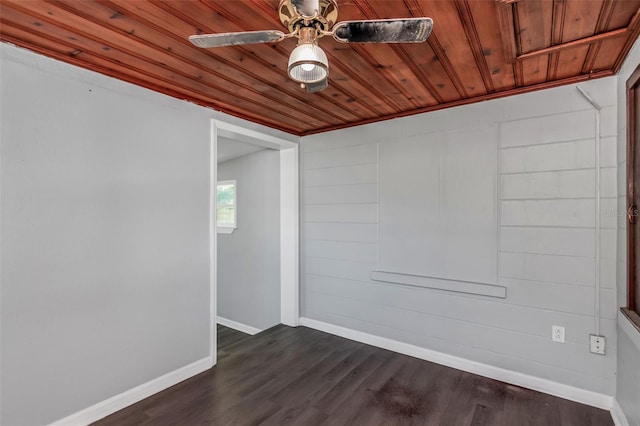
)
(545, 142)
(105, 238)
(105, 266)
(249, 258)
(628, 384)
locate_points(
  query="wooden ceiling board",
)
(501, 72)
(439, 66)
(415, 60)
(534, 28)
(479, 53)
(534, 70)
(580, 19)
(602, 25)
(430, 71)
(622, 13)
(608, 54)
(456, 52)
(369, 65)
(535, 21)
(572, 61)
(478, 50)
(559, 14)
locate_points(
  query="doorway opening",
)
(253, 231)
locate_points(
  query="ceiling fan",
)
(310, 20)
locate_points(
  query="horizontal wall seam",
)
(340, 184)
(372, 203)
(574, 169)
(555, 198)
(450, 294)
(340, 166)
(553, 254)
(548, 143)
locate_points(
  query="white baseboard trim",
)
(519, 379)
(145, 390)
(238, 326)
(619, 418)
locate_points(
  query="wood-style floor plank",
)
(300, 376)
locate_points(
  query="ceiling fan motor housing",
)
(293, 19)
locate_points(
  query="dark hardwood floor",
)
(300, 376)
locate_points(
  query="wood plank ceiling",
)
(479, 49)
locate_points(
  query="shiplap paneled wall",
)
(546, 143)
(438, 210)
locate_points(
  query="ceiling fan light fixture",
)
(308, 63)
(309, 21)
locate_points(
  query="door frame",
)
(289, 221)
(633, 94)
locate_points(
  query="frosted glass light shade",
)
(308, 64)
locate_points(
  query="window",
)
(226, 209)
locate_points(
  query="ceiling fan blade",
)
(317, 86)
(306, 7)
(234, 39)
(405, 30)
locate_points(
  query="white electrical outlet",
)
(557, 334)
(597, 344)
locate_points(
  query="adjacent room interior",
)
(286, 212)
(248, 236)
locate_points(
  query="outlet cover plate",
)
(557, 334)
(597, 344)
